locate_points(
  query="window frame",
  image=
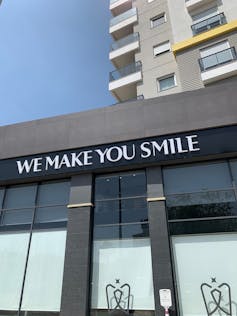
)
(157, 18)
(160, 45)
(173, 75)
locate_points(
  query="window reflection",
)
(20, 204)
(121, 246)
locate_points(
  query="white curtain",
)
(13, 251)
(128, 261)
(210, 259)
(43, 286)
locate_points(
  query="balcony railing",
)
(125, 71)
(134, 37)
(217, 59)
(113, 1)
(126, 15)
(208, 24)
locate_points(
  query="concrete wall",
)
(210, 107)
(162, 65)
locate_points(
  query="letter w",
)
(25, 166)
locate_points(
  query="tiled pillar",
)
(160, 247)
(75, 291)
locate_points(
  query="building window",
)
(158, 20)
(121, 236)
(149, 1)
(215, 55)
(167, 82)
(161, 48)
(33, 221)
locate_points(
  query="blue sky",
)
(53, 58)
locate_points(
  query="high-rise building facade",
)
(163, 46)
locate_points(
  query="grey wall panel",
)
(210, 107)
(81, 189)
(75, 291)
(161, 259)
(76, 285)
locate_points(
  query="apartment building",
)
(162, 46)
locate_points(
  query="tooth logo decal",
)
(217, 298)
(118, 296)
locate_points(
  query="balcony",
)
(122, 82)
(195, 4)
(218, 66)
(119, 6)
(208, 24)
(122, 25)
(122, 51)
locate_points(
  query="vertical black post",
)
(160, 246)
(76, 280)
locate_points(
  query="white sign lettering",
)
(138, 151)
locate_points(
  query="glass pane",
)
(204, 226)
(210, 61)
(158, 21)
(203, 272)
(135, 230)
(15, 217)
(224, 56)
(214, 21)
(38, 313)
(103, 312)
(107, 232)
(51, 214)
(119, 262)
(166, 83)
(2, 190)
(196, 178)
(107, 212)
(121, 231)
(233, 166)
(107, 187)
(134, 210)
(133, 185)
(205, 210)
(43, 284)
(20, 196)
(198, 198)
(13, 252)
(53, 193)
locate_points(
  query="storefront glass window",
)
(205, 267)
(18, 204)
(13, 252)
(202, 215)
(32, 246)
(42, 290)
(122, 269)
(199, 191)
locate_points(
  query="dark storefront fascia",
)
(187, 128)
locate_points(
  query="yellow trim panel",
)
(218, 31)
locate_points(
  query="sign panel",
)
(138, 152)
(165, 298)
